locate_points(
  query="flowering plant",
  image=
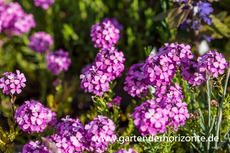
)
(76, 81)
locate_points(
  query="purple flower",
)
(207, 38)
(40, 42)
(195, 25)
(58, 61)
(115, 102)
(12, 83)
(95, 81)
(110, 61)
(178, 114)
(107, 65)
(35, 147)
(136, 81)
(72, 135)
(14, 21)
(99, 133)
(104, 35)
(212, 61)
(44, 3)
(57, 82)
(32, 116)
(130, 150)
(204, 8)
(114, 22)
(150, 118)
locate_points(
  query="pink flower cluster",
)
(12, 83)
(58, 61)
(40, 42)
(99, 133)
(115, 102)
(110, 61)
(44, 3)
(162, 67)
(212, 62)
(70, 136)
(73, 137)
(151, 118)
(13, 19)
(168, 95)
(136, 81)
(104, 34)
(130, 150)
(108, 64)
(32, 116)
(159, 69)
(35, 147)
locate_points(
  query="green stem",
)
(209, 113)
(220, 109)
(13, 113)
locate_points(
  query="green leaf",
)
(160, 17)
(227, 21)
(176, 16)
(221, 27)
(221, 15)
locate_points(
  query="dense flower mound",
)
(104, 34)
(35, 147)
(12, 83)
(58, 61)
(13, 19)
(110, 61)
(44, 3)
(40, 42)
(136, 81)
(130, 150)
(95, 81)
(168, 95)
(71, 136)
(151, 118)
(108, 65)
(32, 116)
(114, 22)
(99, 133)
(115, 102)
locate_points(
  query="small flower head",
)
(99, 133)
(58, 61)
(12, 83)
(104, 34)
(32, 117)
(40, 42)
(72, 135)
(115, 102)
(14, 21)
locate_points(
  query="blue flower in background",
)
(204, 8)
